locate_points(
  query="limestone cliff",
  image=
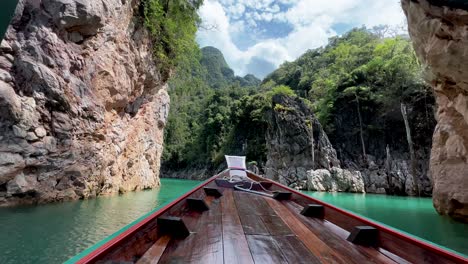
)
(83, 103)
(439, 31)
(290, 159)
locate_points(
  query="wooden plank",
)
(257, 217)
(261, 205)
(249, 210)
(155, 252)
(205, 245)
(294, 250)
(335, 237)
(235, 246)
(310, 240)
(249, 203)
(265, 250)
(275, 225)
(406, 247)
(253, 225)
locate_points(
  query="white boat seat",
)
(237, 167)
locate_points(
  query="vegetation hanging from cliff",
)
(172, 25)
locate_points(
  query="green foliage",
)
(282, 108)
(281, 89)
(214, 113)
(172, 25)
(209, 113)
(360, 64)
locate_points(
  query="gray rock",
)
(50, 143)
(5, 63)
(380, 191)
(5, 76)
(10, 165)
(335, 180)
(77, 15)
(16, 46)
(5, 47)
(289, 142)
(19, 132)
(40, 132)
(7, 158)
(75, 37)
(29, 115)
(38, 77)
(10, 103)
(67, 195)
(9, 57)
(18, 185)
(31, 136)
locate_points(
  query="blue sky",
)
(256, 36)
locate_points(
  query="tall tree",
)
(411, 149)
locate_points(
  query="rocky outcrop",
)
(335, 180)
(439, 32)
(392, 175)
(289, 143)
(83, 104)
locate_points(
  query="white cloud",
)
(312, 24)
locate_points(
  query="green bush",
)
(172, 25)
(282, 89)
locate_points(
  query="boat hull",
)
(244, 227)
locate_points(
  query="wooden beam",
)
(236, 248)
(364, 235)
(155, 252)
(313, 210)
(213, 192)
(174, 226)
(197, 204)
(282, 195)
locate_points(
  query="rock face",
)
(335, 180)
(439, 32)
(289, 144)
(83, 103)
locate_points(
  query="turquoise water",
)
(7, 8)
(53, 233)
(413, 215)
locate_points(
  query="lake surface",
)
(55, 232)
(412, 215)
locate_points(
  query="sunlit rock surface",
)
(439, 30)
(335, 180)
(289, 143)
(83, 106)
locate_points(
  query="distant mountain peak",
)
(219, 74)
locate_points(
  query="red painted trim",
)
(96, 254)
(440, 251)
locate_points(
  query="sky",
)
(256, 36)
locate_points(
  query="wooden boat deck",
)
(241, 227)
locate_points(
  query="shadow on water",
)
(53, 233)
(412, 215)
